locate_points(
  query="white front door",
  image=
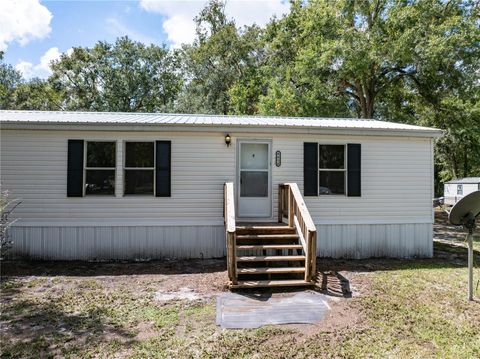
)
(254, 190)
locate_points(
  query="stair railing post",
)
(280, 203)
(235, 275)
(307, 256)
(233, 261)
(290, 207)
(313, 250)
(230, 231)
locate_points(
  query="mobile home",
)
(101, 186)
(456, 189)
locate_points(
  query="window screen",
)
(100, 168)
(332, 169)
(139, 168)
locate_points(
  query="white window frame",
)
(125, 168)
(459, 189)
(344, 169)
(86, 168)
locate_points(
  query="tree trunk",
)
(362, 103)
(465, 162)
(366, 104)
(366, 99)
(454, 166)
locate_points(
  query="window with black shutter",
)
(147, 168)
(91, 168)
(332, 169)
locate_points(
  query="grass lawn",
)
(398, 308)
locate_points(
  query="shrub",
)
(7, 206)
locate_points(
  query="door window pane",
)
(254, 184)
(139, 154)
(100, 154)
(331, 156)
(254, 156)
(138, 181)
(100, 182)
(332, 182)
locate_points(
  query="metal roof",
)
(196, 120)
(465, 180)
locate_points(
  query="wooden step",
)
(271, 270)
(269, 246)
(266, 229)
(266, 236)
(270, 283)
(269, 258)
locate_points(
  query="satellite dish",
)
(465, 213)
(468, 206)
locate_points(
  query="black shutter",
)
(75, 168)
(354, 160)
(310, 169)
(163, 169)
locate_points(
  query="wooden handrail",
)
(230, 229)
(229, 207)
(292, 207)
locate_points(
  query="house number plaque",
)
(278, 158)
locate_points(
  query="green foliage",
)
(37, 94)
(441, 86)
(221, 65)
(126, 76)
(9, 79)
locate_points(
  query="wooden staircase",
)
(271, 254)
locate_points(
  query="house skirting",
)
(353, 241)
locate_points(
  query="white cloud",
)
(118, 28)
(23, 21)
(180, 27)
(42, 69)
(25, 68)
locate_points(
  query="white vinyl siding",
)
(396, 188)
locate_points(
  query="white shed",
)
(148, 185)
(456, 189)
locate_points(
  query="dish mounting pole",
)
(470, 263)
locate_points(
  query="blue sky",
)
(83, 23)
(33, 32)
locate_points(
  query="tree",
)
(126, 76)
(37, 94)
(294, 86)
(351, 52)
(441, 87)
(9, 80)
(219, 59)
